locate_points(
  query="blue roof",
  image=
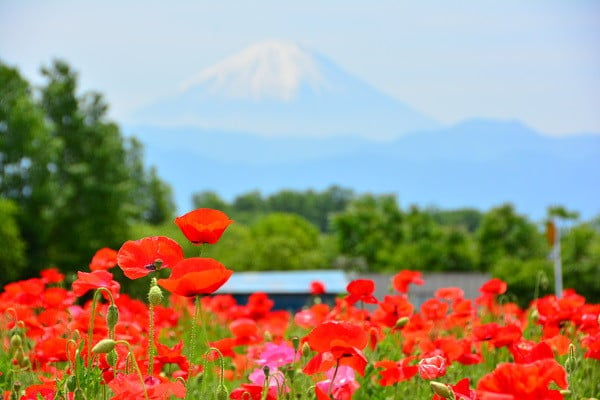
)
(335, 281)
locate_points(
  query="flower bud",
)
(111, 357)
(16, 341)
(104, 346)
(401, 322)
(268, 337)
(295, 342)
(155, 296)
(112, 316)
(222, 392)
(441, 389)
(71, 383)
(305, 349)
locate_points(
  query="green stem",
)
(91, 326)
(135, 365)
(335, 371)
(193, 340)
(97, 292)
(151, 346)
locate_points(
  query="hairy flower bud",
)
(305, 349)
(295, 342)
(111, 357)
(222, 393)
(112, 316)
(441, 389)
(104, 346)
(16, 341)
(401, 322)
(155, 296)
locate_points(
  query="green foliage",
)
(78, 184)
(316, 207)
(467, 218)
(28, 155)
(526, 279)
(503, 233)
(581, 260)
(12, 250)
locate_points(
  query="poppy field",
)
(88, 340)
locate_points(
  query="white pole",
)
(558, 283)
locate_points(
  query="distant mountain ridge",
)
(276, 115)
(478, 163)
(277, 88)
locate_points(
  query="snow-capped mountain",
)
(277, 88)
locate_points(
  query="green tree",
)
(369, 227)
(210, 199)
(285, 241)
(581, 260)
(92, 209)
(28, 156)
(467, 218)
(504, 233)
(12, 251)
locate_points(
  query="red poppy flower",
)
(332, 333)
(170, 355)
(525, 381)
(52, 275)
(203, 225)
(402, 279)
(130, 387)
(432, 367)
(93, 280)
(249, 391)
(196, 276)
(337, 343)
(396, 371)
(104, 258)
(434, 310)
(361, 290)
(494, 286)
(137, 258)
(317, 288)
(525, 351)
(450, 293)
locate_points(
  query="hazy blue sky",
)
(537, 61)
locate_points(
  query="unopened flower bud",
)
(266, 371)
(71, 383)
(295, 342)
(441, 389)
(16, 341)
(305, 349)
(401, 322)
(104, 346)
(222, 392)
(268, 337)
(112, 316)
(111, 357)
(155, 296)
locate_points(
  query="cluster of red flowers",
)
(331, 344)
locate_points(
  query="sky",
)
(537, 61)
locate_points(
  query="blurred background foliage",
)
(71, 183)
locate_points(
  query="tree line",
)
(71, 183)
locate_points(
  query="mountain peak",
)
(272, 69)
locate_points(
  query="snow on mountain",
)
(281, 89)
(267, 70)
